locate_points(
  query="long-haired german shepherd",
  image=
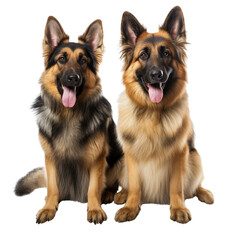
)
(162, 164)
(76, 129)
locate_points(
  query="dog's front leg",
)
(48, 212)
(178, 210)
(132, 207)
(97, 173)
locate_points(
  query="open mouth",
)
(155, 91)
(69, 96)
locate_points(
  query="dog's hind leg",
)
(112, 182)
(108, 193)
(193, 185)
(204, 195)
(114, 160)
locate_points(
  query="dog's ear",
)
(54, 34)
(94, 37)
(174, 24)
(131, 29)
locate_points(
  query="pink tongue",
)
(68, 97)
(155, 94)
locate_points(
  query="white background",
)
(214, 87)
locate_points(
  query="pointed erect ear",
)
(93, 35)
(54, 33)
(131, 29)
(174, 24)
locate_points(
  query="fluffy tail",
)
(34, 179)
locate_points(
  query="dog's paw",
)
(120, 197)
(96, 216)
(45, 215)
(205, 195)
(107, 197)
(181, 215)
(126, 214)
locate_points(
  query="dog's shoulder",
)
(95, 114)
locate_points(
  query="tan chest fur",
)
(150, 137)
(66, 143)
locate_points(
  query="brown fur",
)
(95, 151)
(161, 166)
(82, 154)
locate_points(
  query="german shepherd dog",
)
(162, 165)
(76, 129)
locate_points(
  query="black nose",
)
(156, 75)
(73, 79)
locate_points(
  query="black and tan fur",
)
(82, 154)
(162, 165)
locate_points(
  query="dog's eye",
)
(82, 60)
(62, 59)
(144, 55)
(166, 53)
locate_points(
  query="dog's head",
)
(71, 68)
(154, 67)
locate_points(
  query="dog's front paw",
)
(126, 214)
(181, 215)
(96, 216)
(45, 215)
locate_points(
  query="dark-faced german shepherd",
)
(76, 129)
(162, 164)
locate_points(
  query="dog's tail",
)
(34, 179)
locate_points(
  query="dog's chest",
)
(63, 133)
(67, 143)
(148, 133)
(155, 178)
(140, 134)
